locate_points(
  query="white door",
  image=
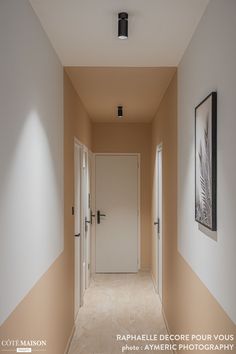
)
(82, 223)
(158, 222)
(77, 226)
(86, 222)
(87, 216)
(116, 189)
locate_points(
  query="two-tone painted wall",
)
(36, 182)
(199, 284)
(209, 65)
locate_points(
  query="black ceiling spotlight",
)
(123, 25)
(120, 111)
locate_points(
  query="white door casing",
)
(93, 225)
(87, 215)
(92, 213)
(117, 196)
(77, 226)
(86, 220)
(158, 222)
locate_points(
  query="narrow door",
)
(116, 213)
(77, 225)
(87, 217)
(158, 222)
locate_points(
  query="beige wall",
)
(131, 138)
(164, 130)
(47, 312)
(188, 305)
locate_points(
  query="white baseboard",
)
(163, 312)
(168, 328)
(144, 269)
(165, 320)
(69, 340)
(154, 283)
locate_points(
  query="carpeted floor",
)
(118, 304)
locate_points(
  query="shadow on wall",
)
(207, 232)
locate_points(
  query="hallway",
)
(117, 176)
(117, 304)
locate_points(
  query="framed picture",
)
(206, 162)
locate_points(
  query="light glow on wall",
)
(31, 211)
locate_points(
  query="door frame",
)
(93, 243)
(76, 310)
(86, 226)
(84, 276)
(159, 218)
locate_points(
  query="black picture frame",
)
(206, 162)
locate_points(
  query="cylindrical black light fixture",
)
(120, 111)
(123, 25)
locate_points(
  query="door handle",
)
(77, 235)
(99, 216)
(91, 217)
(158, 225)
(88, 221)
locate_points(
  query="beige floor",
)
(117, 304)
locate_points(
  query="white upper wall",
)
(31, 153)
(210, 64)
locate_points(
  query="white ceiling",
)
(84, 32)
